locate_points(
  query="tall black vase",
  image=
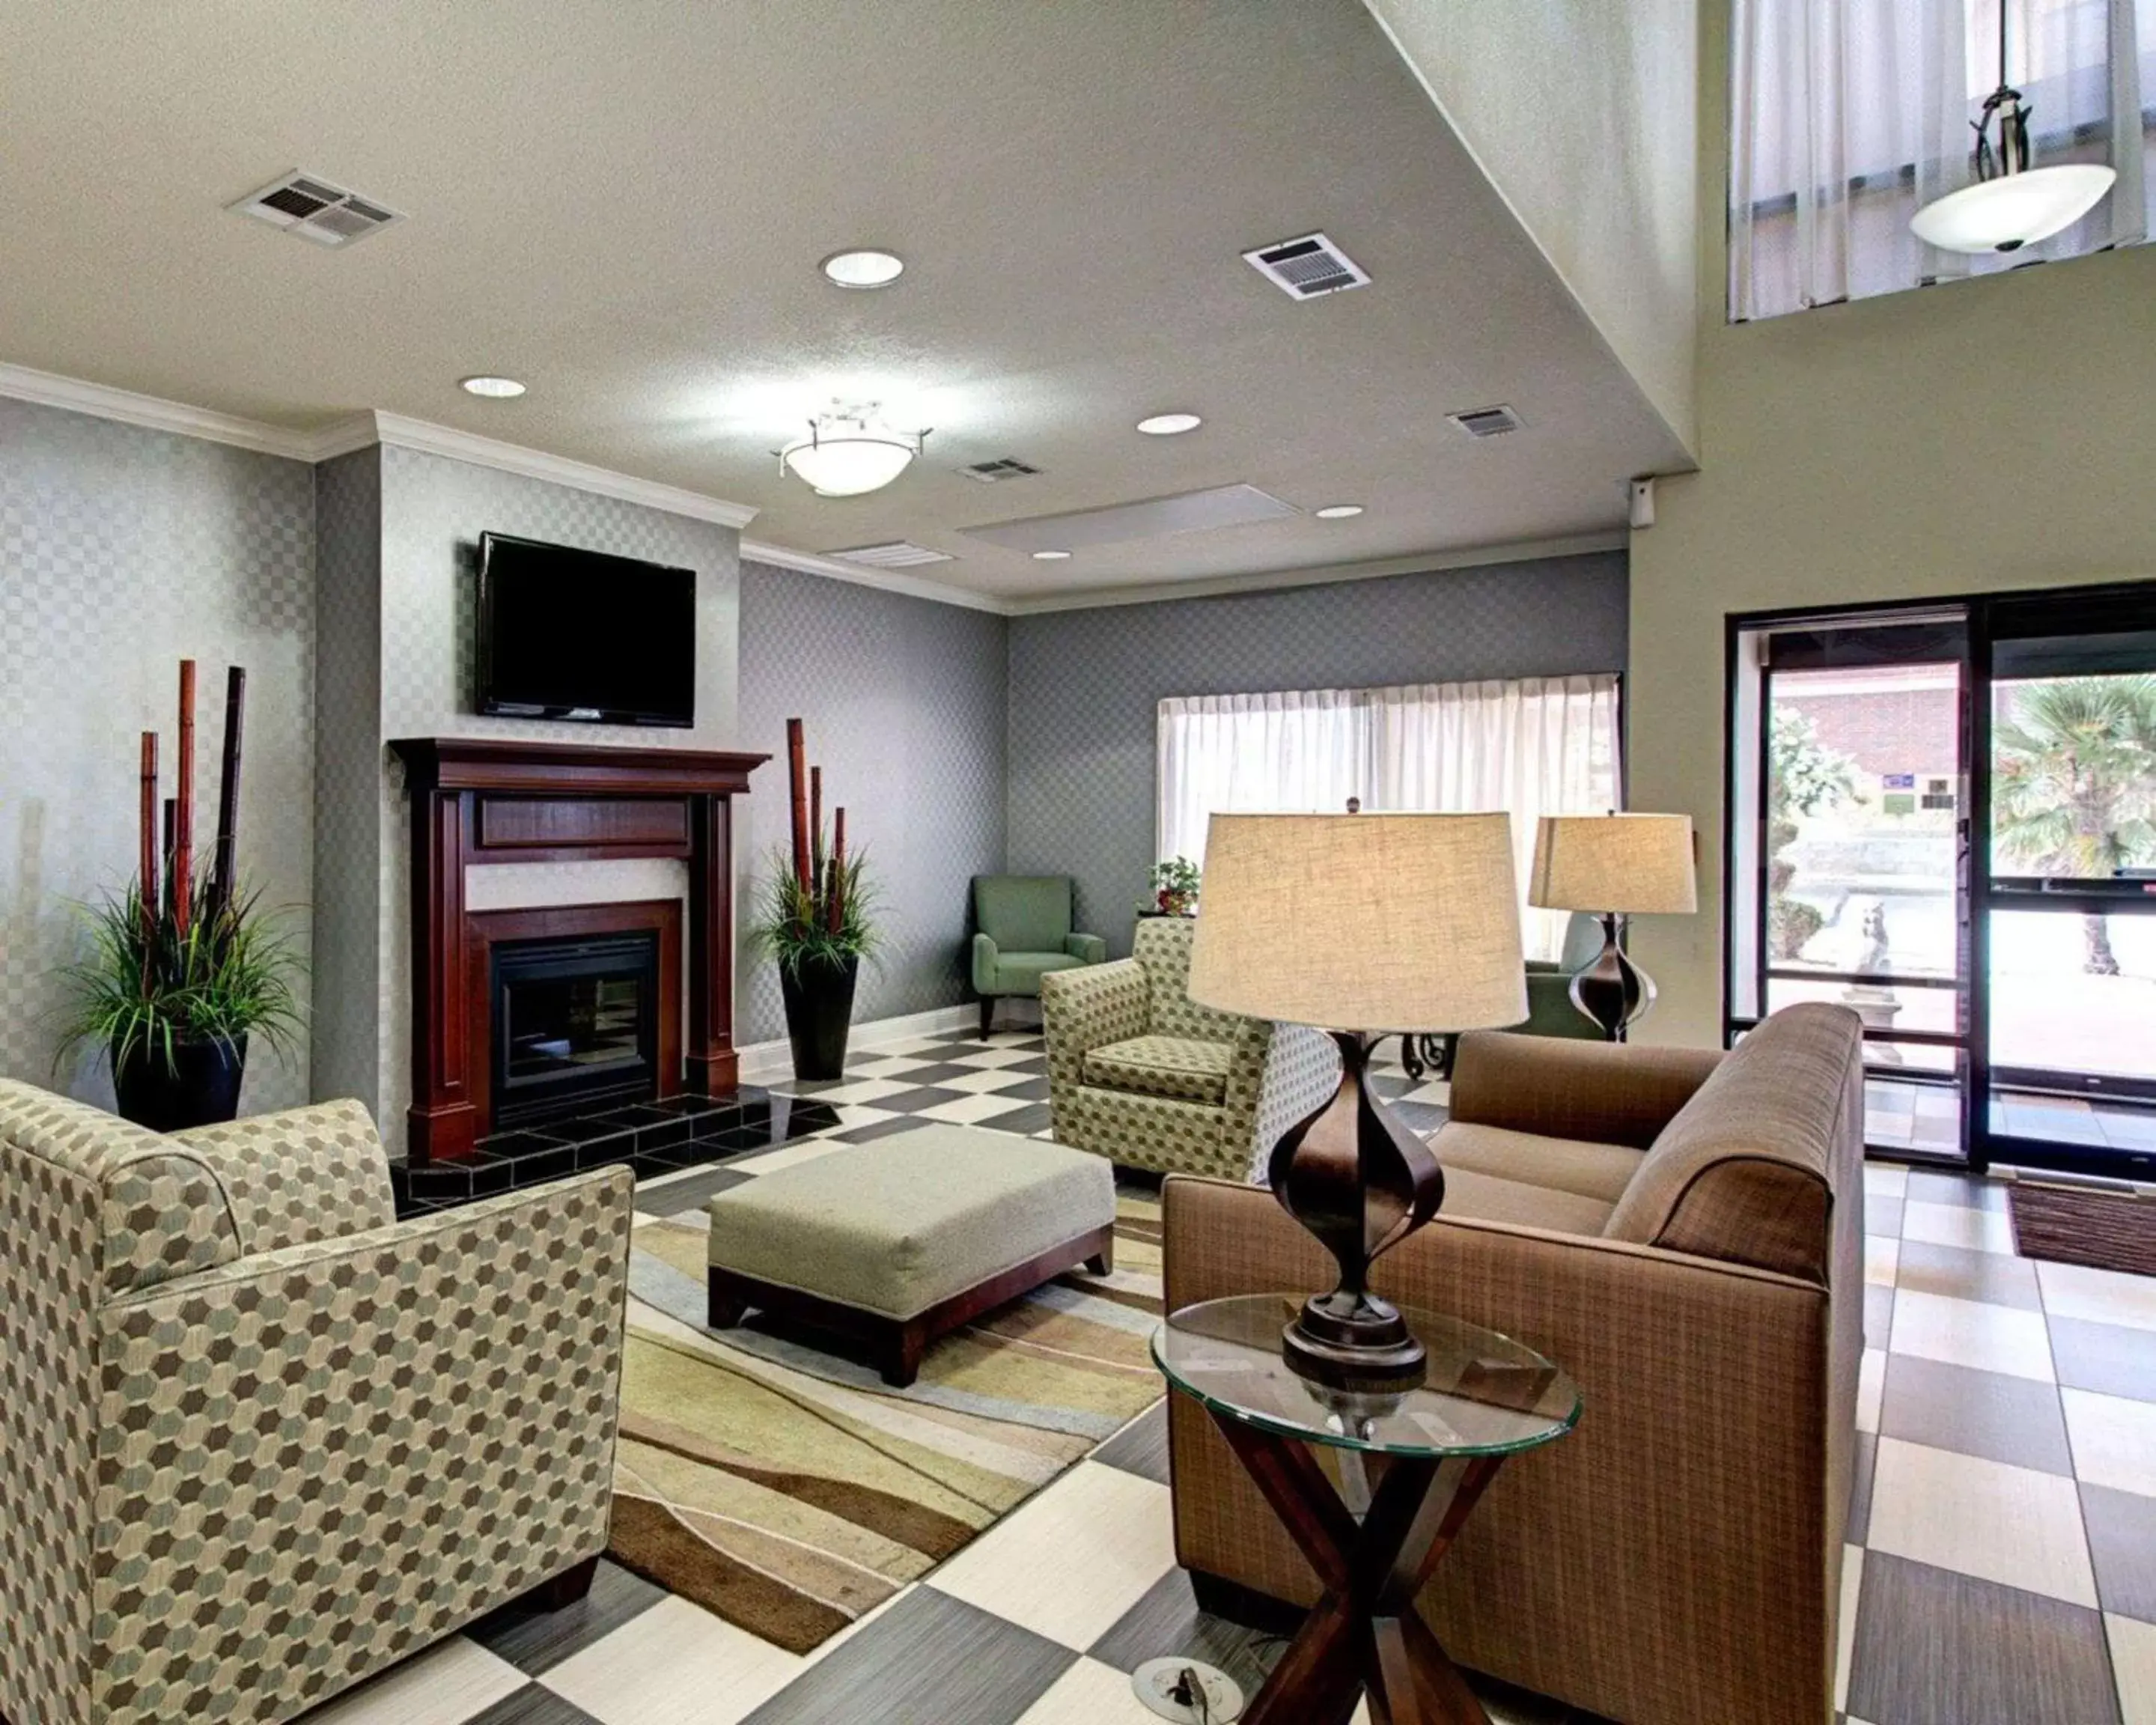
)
(199, 1087)
(819, 1012)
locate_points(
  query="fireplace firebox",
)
(576, 1024)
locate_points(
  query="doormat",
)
(2103, 1230)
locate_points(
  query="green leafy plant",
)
(2074, 790)
(826, 923)
(155, 979)
(1172, 889)
(1803, 777)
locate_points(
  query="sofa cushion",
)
(897, 1225)
(1173, 1066)
(1484, 1198)
(1609, 1092)
(1578, 1166)
(1745, 1171)
(1020, 973)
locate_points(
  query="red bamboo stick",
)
(797, 771)
(146, 865)
(183, 824)
(816, 824)
(227, 793)
(834, 901)
(165, 849)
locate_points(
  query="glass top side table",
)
(1484, 1397)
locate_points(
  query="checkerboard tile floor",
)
(2001, 1568)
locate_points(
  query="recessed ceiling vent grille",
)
(898, 554)
(1004, 467)
(314, 208)
(1307, 269)
(1487, 421)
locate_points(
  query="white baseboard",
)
(763, 1061)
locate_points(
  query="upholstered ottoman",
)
(900, 1240)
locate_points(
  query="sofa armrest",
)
(1087, 948)
(1084, 1009)
(304, 1174)
(985, 956)
(1689, 1533)
(424, 1415)
(1610, 1093)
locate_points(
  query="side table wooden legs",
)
(1365, 1635)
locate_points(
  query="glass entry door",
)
(2067, 902)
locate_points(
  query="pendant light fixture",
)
(2011, 204)
(849, 450)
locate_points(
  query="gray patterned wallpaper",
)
(123, 550)
(1085, 685)
(904, 703)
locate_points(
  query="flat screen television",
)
(577, 634)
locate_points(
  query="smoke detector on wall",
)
(1307, 269)
(315, 209)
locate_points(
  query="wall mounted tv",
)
(577, 634)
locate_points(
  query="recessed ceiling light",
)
(1338, 511)
(1049, 556)
(1168, 424)
(862, 269)
(493, 388)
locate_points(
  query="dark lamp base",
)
(1612, 990)
(1348, 1343)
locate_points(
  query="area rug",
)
(790, 1491)
(2104, 1230)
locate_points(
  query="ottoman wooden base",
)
(898, 1344)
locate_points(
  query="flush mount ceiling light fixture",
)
(850, 450)
(1051, 557)
(2011, 204)
(492, 388)
(1169, 424)
(1338, 511)
(863, 268)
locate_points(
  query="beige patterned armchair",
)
(258, 1440)
(1141, 1074)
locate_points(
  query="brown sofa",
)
(1683, 1233)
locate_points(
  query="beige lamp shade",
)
(1633, 863)
(1371, 922)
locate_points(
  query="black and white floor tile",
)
(2002, 1559)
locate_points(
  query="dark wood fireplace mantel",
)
(493, 801)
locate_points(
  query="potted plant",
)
(184, 965)
(815, 920)
(1173, 890)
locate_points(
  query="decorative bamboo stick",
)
(228, 795)
(183, 825)
(816, 825)
(834, 900)
(797, 769)
(146, 865)
(165, 850)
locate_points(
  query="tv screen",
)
(577, 634)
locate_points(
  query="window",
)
(1847, 116)
(1532, 747)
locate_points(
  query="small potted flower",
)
(1173, 890)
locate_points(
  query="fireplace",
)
(576, 1023)
(575, 1008)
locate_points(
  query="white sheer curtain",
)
(1847, 116)
(1531, 745)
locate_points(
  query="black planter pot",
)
(200, 1087)
(819, 1012)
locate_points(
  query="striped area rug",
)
(790, 1491)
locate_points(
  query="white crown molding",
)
(50, 389)
(1324, 575)
(810, 563)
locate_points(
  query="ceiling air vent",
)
(1487, 421)
(1307, 269)
(899, 554)
(313, 209)
(1004, 467)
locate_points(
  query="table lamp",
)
(1614, 865)
(1363, 926)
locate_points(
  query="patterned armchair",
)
(258, 1440)
(1141, 1074)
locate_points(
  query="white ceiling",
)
(624, 202)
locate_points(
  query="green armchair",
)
(1022, 924)
(1141, 1074)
